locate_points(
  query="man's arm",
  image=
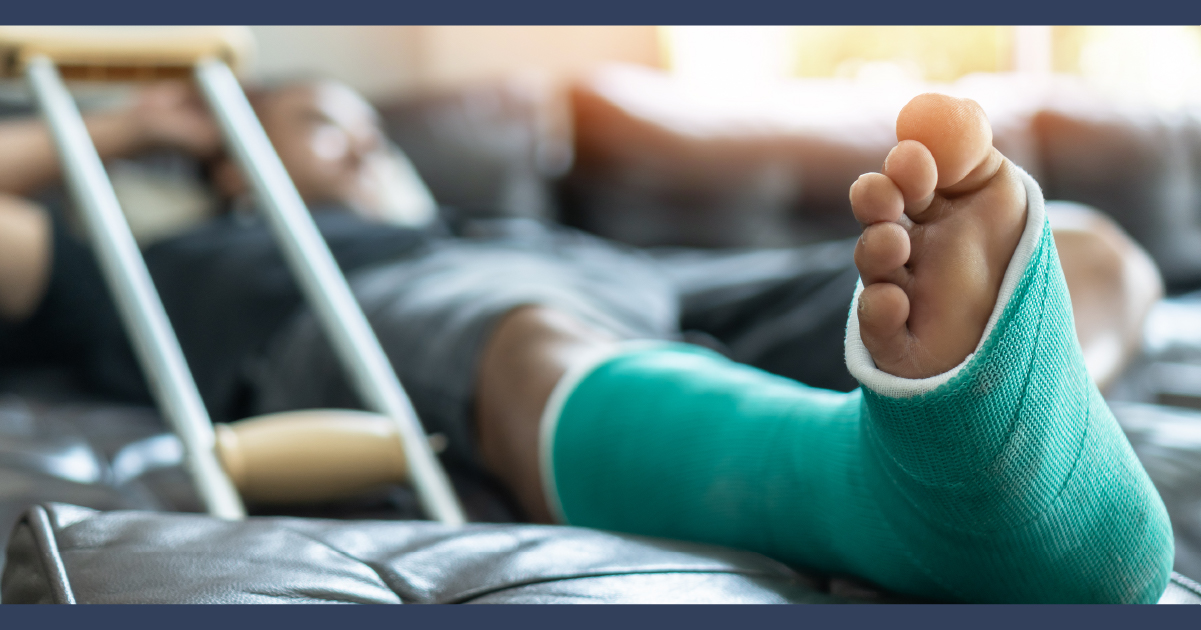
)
(24, 257)
(162, 115)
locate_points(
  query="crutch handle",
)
(122, 53)
(315, 455)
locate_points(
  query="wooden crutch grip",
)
(123, 53)
(307, 456)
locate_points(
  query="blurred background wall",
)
(1158, 63)
(380, 61)
(388, 61)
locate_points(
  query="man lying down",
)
(976, 462)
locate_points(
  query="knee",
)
(528, 352)
(1113, 284)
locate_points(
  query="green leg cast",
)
(1004, 480)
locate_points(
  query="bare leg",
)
(1113, 284)
(24, 257)
(530, 350)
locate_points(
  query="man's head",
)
(327, 136)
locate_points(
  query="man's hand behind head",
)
(172, 114)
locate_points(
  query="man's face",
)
(327, 137)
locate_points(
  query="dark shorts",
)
(433, 299)
(782, 310)
(75, 326)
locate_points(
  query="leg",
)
(1113, 283)
(977, 463)
(531, 348)
(528, 353)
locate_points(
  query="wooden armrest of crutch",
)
(314, 455)
(122, 53)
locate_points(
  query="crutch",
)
(205, 53)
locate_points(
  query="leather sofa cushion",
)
(61, 553)
(487, 149)
(1140, 165)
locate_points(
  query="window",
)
(1161, 64)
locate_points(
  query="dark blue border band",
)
(597, 12)
(601, 617)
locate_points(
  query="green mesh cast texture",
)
(1009, 483)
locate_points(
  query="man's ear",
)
(227, 179)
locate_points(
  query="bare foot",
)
(941, 224)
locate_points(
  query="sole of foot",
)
(941, 222)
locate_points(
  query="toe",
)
(955, 130)
(911, 167)
(883, 310)
(882, 252)
(875, 198)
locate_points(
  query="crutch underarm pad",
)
(122, 52)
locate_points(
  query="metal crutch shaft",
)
(324, 285)
(141, 309)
